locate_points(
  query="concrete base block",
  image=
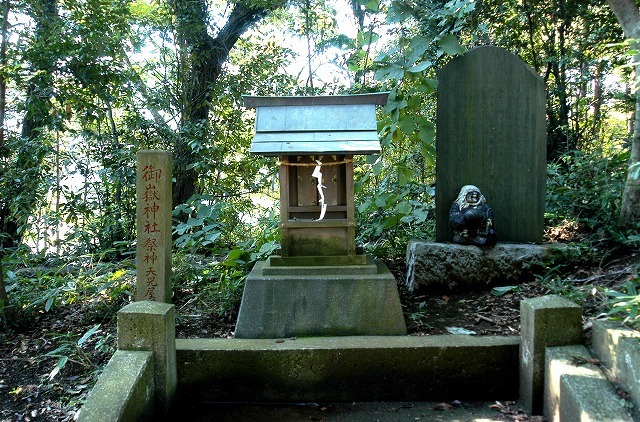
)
(577, 391)
(150, 326)
(545, 321)
(305, 304)
(449, 266)
(124, 392)
(347, 369)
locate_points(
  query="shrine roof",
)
(340, 124)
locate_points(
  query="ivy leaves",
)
(396, 192)
(408, 68)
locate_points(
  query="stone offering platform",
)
(449, 266)
(344, 299)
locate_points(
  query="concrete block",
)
(576, 391)
(545, 321)
(347, 369)
(124, 392)
(304, 304)
(605, 339)
(630, 371)
(449, 266)
(618, 348)
(150, 326)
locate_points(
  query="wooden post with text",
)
(153, 204)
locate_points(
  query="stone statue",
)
(471, 218)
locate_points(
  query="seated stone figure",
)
(471, 218)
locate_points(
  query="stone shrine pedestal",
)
(282, 300)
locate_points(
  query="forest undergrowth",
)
(52, 356)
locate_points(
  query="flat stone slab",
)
(348, 369)
(300, 266)
(449, 266)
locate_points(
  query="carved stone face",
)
(473, 197)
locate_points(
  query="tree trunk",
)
(598, 99)
(630, 208)
(628, 15)
(203, 56)
(38, 116)
(5, 305)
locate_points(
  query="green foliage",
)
(391, 209)
(97, 80)
(200, 223)
(216, 284)
(625, 303)
(570, 44)
(215, 280)
(50, 284)
(72, 349)
(395, 200)
(585, 187)
(561, 265)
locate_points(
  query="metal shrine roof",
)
(339, 124)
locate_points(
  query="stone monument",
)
(153, 204)
(319, 285)
(491, 133)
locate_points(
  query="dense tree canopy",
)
(84, 85)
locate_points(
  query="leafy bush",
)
(391, 209)
(585, 187)
(215, 282)
(35, 285)
(200, 223)
(626, 303)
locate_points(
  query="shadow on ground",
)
(352, 412)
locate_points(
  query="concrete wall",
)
(349, 369)
(125, 390)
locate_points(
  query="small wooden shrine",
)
(319, 285)
(316, 139)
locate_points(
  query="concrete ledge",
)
(579, 392)
(618, 348)
(449, 266)
(125, 390)
(150, 326)
(545, 321)
(342, 369)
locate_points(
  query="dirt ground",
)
(30, 352)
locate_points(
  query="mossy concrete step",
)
(308, 268)
(577, 390)
(618, 348)
(348, 369)
(318, 260)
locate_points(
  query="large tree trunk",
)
(628, 15)
(203, 57)
(30, 153)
